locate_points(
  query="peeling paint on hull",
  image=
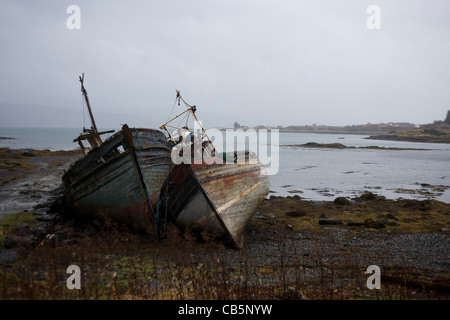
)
(119, 185)
(219, 198)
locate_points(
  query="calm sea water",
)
(316, 174)
(41, 138)
(323, 174)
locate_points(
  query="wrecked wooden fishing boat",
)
(118, 178)
(217, 194)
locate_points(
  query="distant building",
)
(447, 119)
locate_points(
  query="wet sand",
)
(295, 249)
(29, 177)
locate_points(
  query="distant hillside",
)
(438, 131)
(363, 129)
(353, 129)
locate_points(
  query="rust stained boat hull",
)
(218, 198)
(117, 185)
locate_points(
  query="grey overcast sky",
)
(256, 62)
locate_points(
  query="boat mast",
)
(191, 111)
(83, 90)
(92, 135)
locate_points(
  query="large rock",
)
(375, 224)
(46, 218)
(14, 241)
(28, 153)
(369, 196)
(41, 211)
(330, 221)
(8, 258)
(355, 223)
(342, 201)
(39, 233)
(297, 213)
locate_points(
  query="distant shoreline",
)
(417, 138)
(341, 146)
(437, 132)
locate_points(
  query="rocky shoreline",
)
(28, 177)
(295, 249)
(342, 146)
(415, 138)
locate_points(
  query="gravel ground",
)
(427, 251)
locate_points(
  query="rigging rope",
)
(173, 107)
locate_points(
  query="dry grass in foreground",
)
(123, 265)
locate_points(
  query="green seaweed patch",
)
(11, 165)
(8, 153)
(10, 222)
(401, 216)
